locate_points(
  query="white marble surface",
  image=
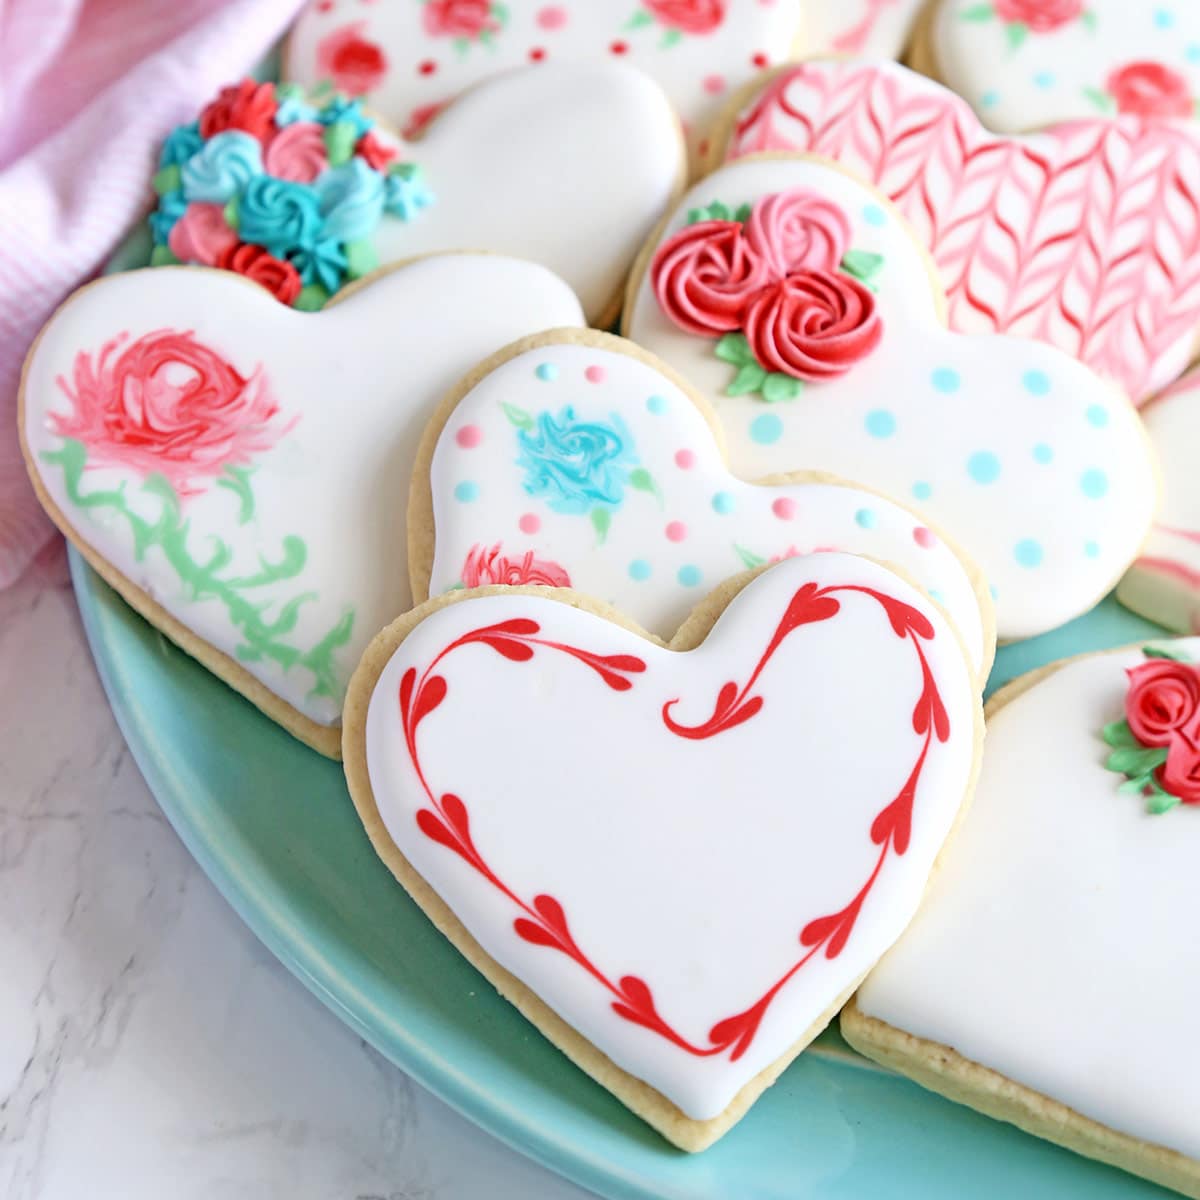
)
(149, 1046)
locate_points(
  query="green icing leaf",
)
(734, 348)
(486, 38)
(1102, 100)
(340, 139)
(862, 264)
(716, 211)
(262, 634)
(237, 480)
(1089, 20)
(1163, 652)
(743, 213)
(161, 256)
(777, 386)
(981, 12)
(749, 378)
(517, 416)
(361, 258)
(601, 520)
(639, 19)
(671, 38)
(641, 479)
(461, 45)
(1136, 760)
(1119, 734)
(231, 213)
(168, 179)
(1160, 802)
(749, 560)
(1016, 32)
(500, 12)
(312, 298)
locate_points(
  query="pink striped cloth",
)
(88, 90)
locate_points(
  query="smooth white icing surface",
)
(864, 28)
(696, 62)
(692, 864)
(1068, 490)
(358, 380)
(1057, 945)
(689, 525)
(1062, 73)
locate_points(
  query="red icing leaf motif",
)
(543, 922)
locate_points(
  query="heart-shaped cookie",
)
(575, 459)
(568, 166)
(409, 59)
(238, 470)
(1023, 64)
(1164, 583)
(798, 302)
(1050, 978)
(637, 845)
(1086, 236)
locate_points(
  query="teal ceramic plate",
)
(272, 825)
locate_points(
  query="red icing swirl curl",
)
(1163, 699)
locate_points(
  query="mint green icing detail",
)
(167, 179)
(643, 481)
(230, 213)
(262, 638)
(1163, 652)
(751, 376)
(862, 265)
(340, 138)
(162, 256)
(601, 520)
(312, 298)
(237, 480)
(518, 416)
(361, 258)
(717, 211)
(749, 560)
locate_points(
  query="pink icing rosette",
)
(297, 153)
(798, 230)
(201, 235)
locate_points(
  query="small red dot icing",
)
(676, 531)
(714, 85)
(760, 60)
(529, 523)
(427, 66)
(469, 436)
(619, 47)
(553, 16)
(685, 460)
(924, 538)
(784, 508)
(594, 374)
(537, 54)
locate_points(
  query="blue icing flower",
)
(351, 201)
(182, 142)
(342, 108)
(171, 207)
(405, 192)
(575, 465)
(221, 167)
(279, 214)
(292, 106)
(323, 262)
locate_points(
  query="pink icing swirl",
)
(485, 565)
(798, 230)
(297, 153)
(201, 235)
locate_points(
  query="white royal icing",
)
(1029, 461)
(1022, 64)
(565, 438)
(681, 861)
(1056, 945)
(1086, 236)
(529, 165)
(354, 387)
(419, 55)
(864, 28)
(1164, 582)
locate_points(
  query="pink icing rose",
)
(459, 18)
(1042, 16)
(355, 65)
(688, 16)
(201, 235)
(297, 152)
(1150, 89)
(798, 230)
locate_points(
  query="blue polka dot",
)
(1163, 18)
(874, 215)
(547, 372)
(466, 491)
(657, 405)
(639, 570)
(922, 490)
(1042, 454)
(1097, 415)
(936, 596)
(1094, 483)
(766, 429)
(994, 590)
(1028, 552)
(1091, 549)
(1044, 79)
(880, 423)
(867, 518)
(1037, 383)
(689, 576)
(946, 380)
(723, 503)
(983, 467)
(1193, 52)
(989, 99)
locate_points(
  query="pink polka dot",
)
(594, 374)
(529, 523)
(553, 16)
(714, 85)
(924, 537)
(784, 508)
(676, 531)
(685, 460)
(469, 436)
(324, 6)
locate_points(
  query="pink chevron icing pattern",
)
(1086, 236)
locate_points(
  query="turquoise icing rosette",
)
(284, 217)
(351, 201)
